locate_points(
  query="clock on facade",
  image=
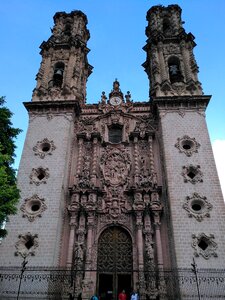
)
(115, 100)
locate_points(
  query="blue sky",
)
(117, 29)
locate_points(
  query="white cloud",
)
(219, 154)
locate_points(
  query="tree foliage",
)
(9, 193)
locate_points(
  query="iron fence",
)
(49, 283)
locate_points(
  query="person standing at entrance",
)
(122, 295)
(134, 296)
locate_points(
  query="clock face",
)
(115, 100)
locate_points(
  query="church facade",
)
(120, 191)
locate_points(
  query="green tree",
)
(9, 193)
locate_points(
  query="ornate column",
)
(95, 137)
(136, 165)
(151, 156)
(149, 256)
(80, 153)
(138, 206)
(88, 284)
(79, 254)
(46, 68)
(156, 208)
(186, 60)
(70, 67)
(164, 76)
(72, 209)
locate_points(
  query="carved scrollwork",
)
(187, 145)
(192, 174)
(204, 245)
(26, 244)
(197, 206)
(33, 207)
(44, 147)
(39, 175)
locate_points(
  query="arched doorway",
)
(114, 263)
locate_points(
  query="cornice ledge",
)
(54, 106)
(184, 102)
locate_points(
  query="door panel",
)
(114, 263)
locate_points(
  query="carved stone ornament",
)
(204, 245)
(187, 145)
(26, 244)
(197, 207)
(192, 174)
(33, 207)
(39, 176)
(43, 148)
(115, 165)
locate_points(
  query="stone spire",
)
(64, 68)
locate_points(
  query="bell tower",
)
(170, 63)
(192, 199)
(64, 68)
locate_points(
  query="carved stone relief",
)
(39, 175)
(33, 207)
(44, 147)
(192, 174)
(204, 245)
(26, 244)
(84, 178)
(197, 206)
(115, 166)
(187, 145)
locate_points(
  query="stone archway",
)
(114, 263)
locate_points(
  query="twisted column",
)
(94, 161)
(80, 152)
(151, 156)
(136, 165)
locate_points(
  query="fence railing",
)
(51, 283)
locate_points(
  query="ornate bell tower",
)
(170, 63)
(64, 68)
(192, 198)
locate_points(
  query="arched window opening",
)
(174, 70)
(58, 74)
(115, 134)
(166, 26)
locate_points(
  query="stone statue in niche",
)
(83, 200)
(138, 202)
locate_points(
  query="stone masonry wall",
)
(59, 129)
(175, 125)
